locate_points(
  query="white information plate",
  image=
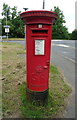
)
(39, 47)
(7, 30)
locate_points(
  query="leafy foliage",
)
(13, 19)
(74, 35)
(59, 31)
(6, 11)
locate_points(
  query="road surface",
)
(63, 56)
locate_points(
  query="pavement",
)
(63, 56)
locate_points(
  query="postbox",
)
(38, 46)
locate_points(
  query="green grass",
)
(15, 39)
(13, 72)
(58, 92)
(54, 69)
(14, 88)
(4, 44)
(29, 110)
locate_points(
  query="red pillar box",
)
(38, 46)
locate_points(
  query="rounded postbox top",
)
(38, 16)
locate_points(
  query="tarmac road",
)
(63, 56)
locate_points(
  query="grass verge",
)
(13, 74)
(14, 87)
(58, 92)
(14, 39)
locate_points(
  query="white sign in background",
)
(39, 47)
(7, 30)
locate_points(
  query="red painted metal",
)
(38, 65)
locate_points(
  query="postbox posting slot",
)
(39, 47)
(40, 31)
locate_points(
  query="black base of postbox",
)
(37, 98)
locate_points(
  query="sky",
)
(67, 6)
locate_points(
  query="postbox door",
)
(39, 64)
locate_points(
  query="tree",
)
(14, 12)
(14, 20)
(0, 27)
(6, 11)
(59, 30)
(74, 35)
(17, 27)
